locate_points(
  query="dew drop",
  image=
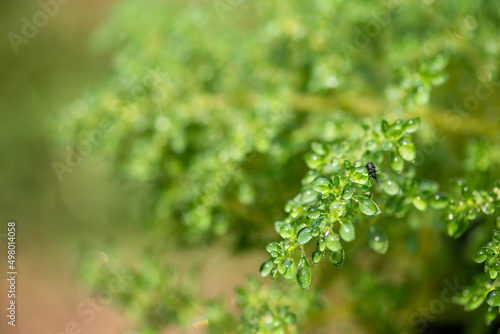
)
(313, 160)
(439, 201)
(480, 256)
(304, 274)
(367, 206)
(308, 196)
(390, 187)
(397, 163)
(317, 256)
(347, 231)
(286, 231)
(407, 149)
(313, 213)
(337, 258)
(304, 236)
(333, 242)
(493, 298)
(266, 268)
(412, 125)
(322, 184)
(377, 239)
(371, 145)
(419, 202)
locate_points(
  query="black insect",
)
(372, 171)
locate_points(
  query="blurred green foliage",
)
(212, 107)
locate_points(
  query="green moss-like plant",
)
(231, 109)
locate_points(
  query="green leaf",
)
(337, 258)
(439, 201)
(407, 149)
(286, 231)
(304, 274)
(490, 315)
(412, 125)
(273, 247)
(378, 240)
(322, 185)
(313, 213)
(419, 202)
(347, 191)
(390, 187)
(493, 298)
(289, 269)
(347, 231)
(308, 196)
(384, 126)
(480, 257)
(333, 242)
(266, 268)
(474, 302)
(313, 160)
(317, 256)
(397, 163)
(304, 236)
(456, 227)
(367, 206)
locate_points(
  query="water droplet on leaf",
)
(493, 298)
(333, 242)
(412, 125)
(337, 258)
(439, 201)
(313, 160)
(313, 213)
(319, 148)
(367, 206)
(454, 227)
(322, 184)
(419, 202)
(347, 231)
(289, 269)
(304, 236)
(397, 163)
(488, 208)
(274, 273)
(474, 302)
(272, 247)
(387, 146)
(480, 256)
(390, 187)
(371, 145)
(378, 240)
(290, 318)
(308, 196)
(304, 274)
(317, 256)
(384, 126)
(347, 191)
(266, 268)
(347, 165)
(490, 316)
(322, 244)
(361, 175)
(286, 231)
(407, 149)
(338, 207)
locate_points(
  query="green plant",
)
(218, 129)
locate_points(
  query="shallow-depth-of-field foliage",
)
(228, 111)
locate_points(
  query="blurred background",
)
(49, 71)
(198, 115)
